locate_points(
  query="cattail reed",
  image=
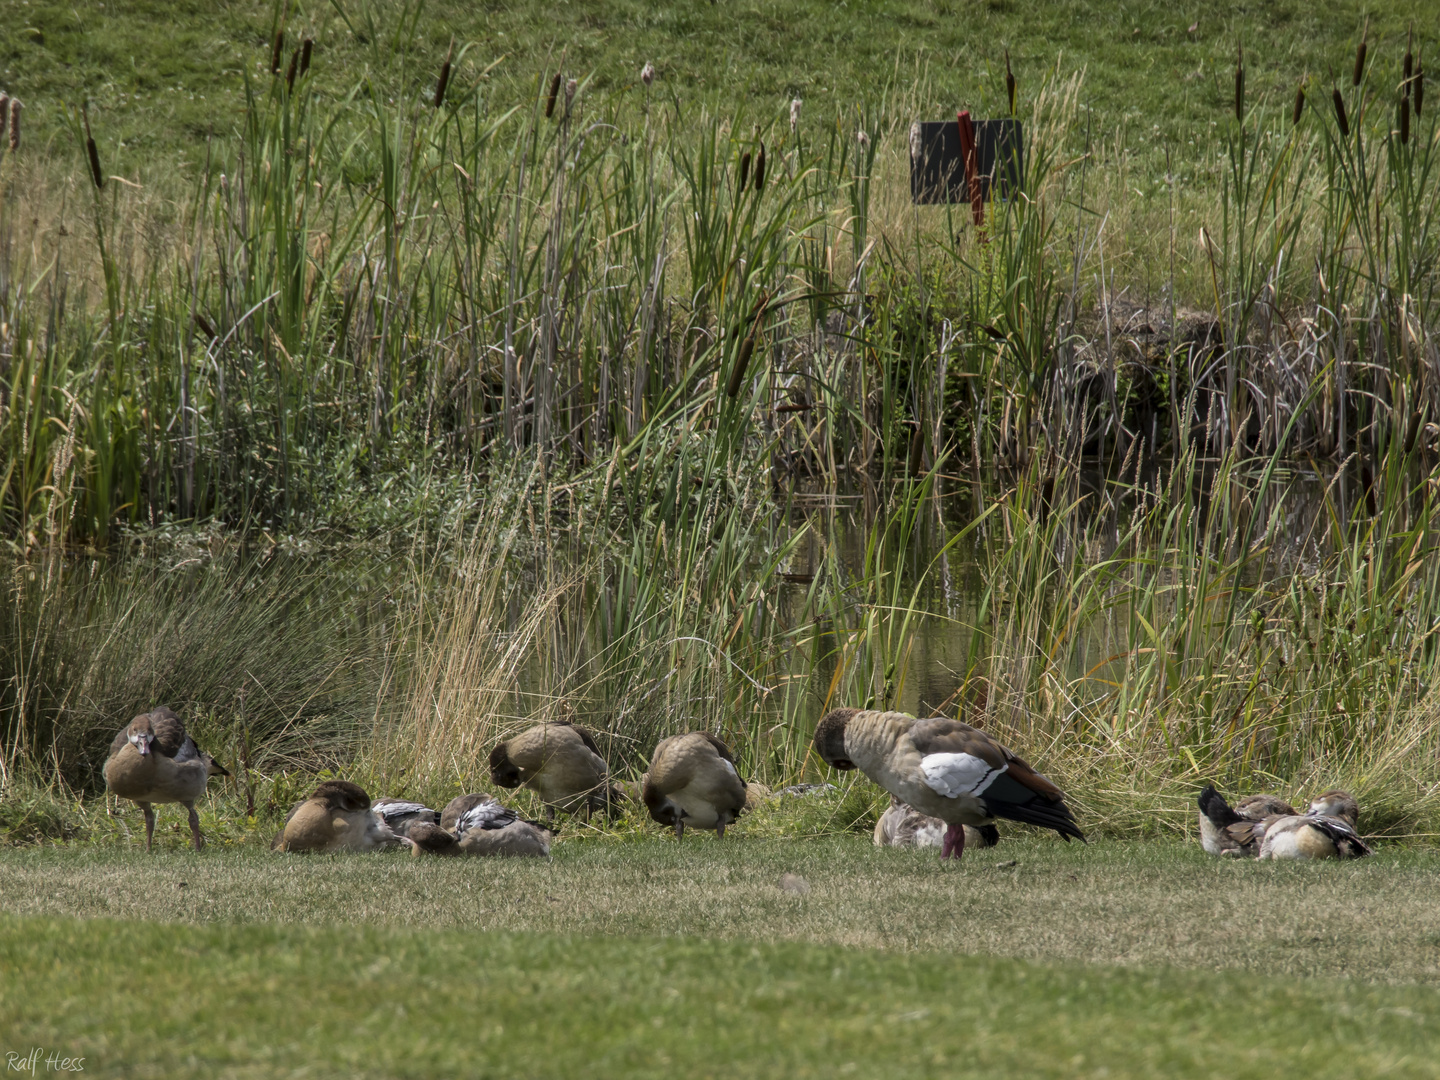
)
(1009, 83)
(292, 69)
(1299, 105)
(1359, 72)
(1404, 120)
(1409, 64)
(4, 113)
(760, 169)
(742, 362)
(795, 104)
(570, 87)
(554, 92)
(14, 124)
(444, 79)
(1340, 117)
(1417, 90)
(90, 151)
(744, 169)
(306, 47)
(1239, 84)
(276, 50)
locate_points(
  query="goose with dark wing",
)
(944, 768)
(693, 782)
(1327, 830)
(1236, 831)
(153, 760)
(561, 763)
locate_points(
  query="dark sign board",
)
(937, 167)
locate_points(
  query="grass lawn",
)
(643, 957)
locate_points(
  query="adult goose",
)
(904, 826)
(693, 781)
(943, 768)
(1236, 831)
(1325, 831)
(483, 826)
(561, 763)
(152, 760)
(336, 817)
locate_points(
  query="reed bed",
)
(695, 398)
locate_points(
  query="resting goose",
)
(943, 768)
(152, 760)
(482, 826)
(1326, 831)
(1237, 831)
(561, 763)
(336, 817)
(693, 781)
(403, 816)
(904, 826)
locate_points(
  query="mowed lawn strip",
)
(1153, 904)
(151, 999)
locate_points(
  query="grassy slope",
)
(162, 75)
(156, 1000)
(1105, 903)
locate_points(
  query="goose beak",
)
(141, 744)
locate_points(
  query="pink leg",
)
(953, 846)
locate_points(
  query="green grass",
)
(165, 75)
(892, 965)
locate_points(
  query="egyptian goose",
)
(561, 763)
(1238, 830)
(152, 760)
(482, 826)
(1326, 831)
(904, 826)
(943, 768)
(336, 817)
(403, 816)
(693, 781)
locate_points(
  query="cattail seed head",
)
(1404, 120)
(306, 48)
(91, 152)
(760, 170)
(1299, 104)
(1359, 72)
(14, 124)
(795, 104)
(550, 100)
(1239, 85)
(293, 68)
(570, 87)
(863, 139)
(742, 362)
(1009, 83)
(744, 169)
(1340, 117)
(276, 50)
(444, 79)
(647, 74)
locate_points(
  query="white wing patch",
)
(953, 775)
(487, 815)
(393, 810)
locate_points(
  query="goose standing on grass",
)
(402, 816)
(693, 781)
(1236, 832)
(561, 763)
(336, 817)
(1326, 831)
(152, 760)
(904, 826)
(943, 768)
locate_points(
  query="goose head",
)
(142, 734)
(503, 771)
(1337, 804)
(830, 739)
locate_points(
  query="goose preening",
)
(1236, 831)
(561, 763)
(904, 826)
(1326, 831)
(693, 781)
(943, 768)
(403, 816)
(336, 817)
(483, 826)
(152, 760)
